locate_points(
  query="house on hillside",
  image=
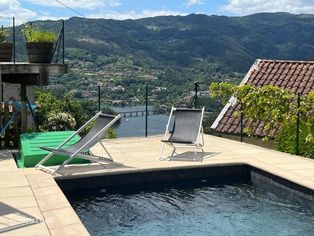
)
(295, 76)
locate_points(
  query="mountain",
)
(169, 53)
(188, 41)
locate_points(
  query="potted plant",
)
(39, 44)
(5, 46)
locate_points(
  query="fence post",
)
(241, 123)
(98, 98)
(63, 41)
(13, 36)
(146, 109)
(196, 92)
(298, 126)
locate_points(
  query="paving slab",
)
(143, 154)
(24, 197)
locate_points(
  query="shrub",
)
(59, 122)
(111, 133)
(32, 34)
(3, 35)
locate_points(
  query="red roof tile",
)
(295, 76)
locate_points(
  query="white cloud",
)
(82, 4)
(12, 8)
(50, 17)
(135, 15)
(194, 2)
(113, 3)
(245, 7)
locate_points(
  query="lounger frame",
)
(198, 144)
(78, 154)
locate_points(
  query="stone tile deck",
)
(31, 201)
(140, 154)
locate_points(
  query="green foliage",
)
(111, 133)
(63, 114)
(32, 34)
(222, 91)
(233, 42)
(3, 35)
(59, 122)
(277, 109)
(48, 104)
(269, 104)
(286, 138)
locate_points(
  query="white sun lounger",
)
(78, 150)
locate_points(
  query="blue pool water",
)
(207, 209)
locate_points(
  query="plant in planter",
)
(5, 46)
(39, 44)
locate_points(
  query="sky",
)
(134, 9)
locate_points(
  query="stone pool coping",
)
(31, 203)
(36, 193)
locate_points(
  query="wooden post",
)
(23, 110)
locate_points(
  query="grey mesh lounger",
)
(78, 150)
(187, 131)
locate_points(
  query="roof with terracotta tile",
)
(295, 76)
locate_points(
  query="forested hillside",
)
(188, 40)
(176, 50)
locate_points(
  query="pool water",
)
(207, 209)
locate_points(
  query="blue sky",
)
(133, 9)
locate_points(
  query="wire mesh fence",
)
(34, 41)
(146, 109)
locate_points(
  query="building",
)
(294, 76)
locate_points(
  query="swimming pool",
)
(193, 207)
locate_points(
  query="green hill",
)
(188, 40)
(170, 52)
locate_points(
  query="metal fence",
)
(15, 46)
(145, 111)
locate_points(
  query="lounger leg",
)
(161, 152)
(65, 162)
(41, 166)
(173, 151)
(202, 154)
(195, 153)
(103, 146)
(44, 159)
(202, 131)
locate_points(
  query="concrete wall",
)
(14, 90)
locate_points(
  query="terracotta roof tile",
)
(295, 76)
